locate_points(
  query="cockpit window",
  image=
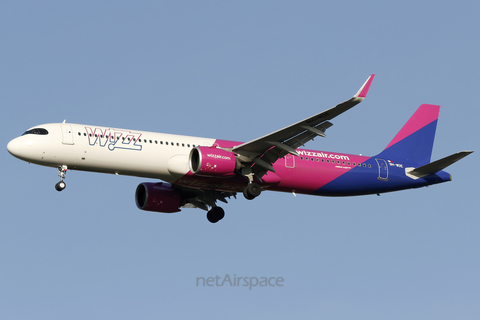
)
(36, 131)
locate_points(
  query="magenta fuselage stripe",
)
(310, 174)
(303, 174)
(321, 173)
(424, 115)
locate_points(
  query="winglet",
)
(362, 93)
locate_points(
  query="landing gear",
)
(252, 191)
(60, 186)
(215, 214)
(62, 172)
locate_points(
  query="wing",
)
(264, 151)
(203, 198)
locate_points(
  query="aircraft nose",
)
(13, 147)
(19, 148)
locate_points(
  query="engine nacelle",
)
(212, 162)
(158, 197)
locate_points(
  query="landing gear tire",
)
(247, 196)
(60, 186)
(215, 214)
(252, 191)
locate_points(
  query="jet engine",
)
(158, 197)
(212, 162)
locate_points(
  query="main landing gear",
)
(252, 191)
(62, 173)
(215, 214)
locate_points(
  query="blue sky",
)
(239, 70)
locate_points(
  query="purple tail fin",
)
(414, 142)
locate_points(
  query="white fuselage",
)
(108, 150)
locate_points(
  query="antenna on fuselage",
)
(64, 121)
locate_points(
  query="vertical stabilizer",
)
(414, 142)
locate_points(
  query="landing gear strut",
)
(252, 191)
(62, 172)
(215, 214)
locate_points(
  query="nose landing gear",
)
(62, 173)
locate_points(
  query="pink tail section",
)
(425, 114)
(414, 142)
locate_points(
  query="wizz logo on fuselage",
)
(114, 139)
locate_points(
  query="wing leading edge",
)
(264, 151)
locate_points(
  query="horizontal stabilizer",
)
(438, 165)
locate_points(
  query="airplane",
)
(197, 172)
